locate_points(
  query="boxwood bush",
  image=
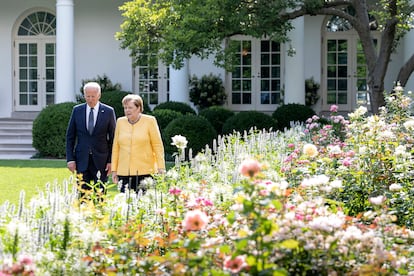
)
(114, 99)
(245, 120)
(183, 108)
(216, 115)
(49, 130)
(165, 116)
(285, 114)
(198, 131)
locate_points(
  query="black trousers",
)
(133, 182)
(90, 178)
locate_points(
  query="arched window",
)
(38, 23)
(338, 24)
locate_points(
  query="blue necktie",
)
(90, 122)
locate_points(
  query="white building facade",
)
(49, 46)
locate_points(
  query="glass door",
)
(35, 74)
(255, 82)
(151, 82)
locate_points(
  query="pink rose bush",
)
(332, 197)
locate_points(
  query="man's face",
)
(92, 96)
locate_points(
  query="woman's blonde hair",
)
(136, 99)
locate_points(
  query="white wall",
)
(408, 52)
(10, 11)
(96, 50)
(313, 52)
(203, 67)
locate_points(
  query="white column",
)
(65, 54)
(179, 87)
(294, 65)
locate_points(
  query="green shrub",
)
(105, 83)
(198, 131)
(49, 130)
(245, 120)
(165, 116)
(207, 91)
(216, 115)
(114, 99)
(181, 107)
(287, 113)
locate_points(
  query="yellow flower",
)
(310, 150)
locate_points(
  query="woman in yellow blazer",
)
(137, 151)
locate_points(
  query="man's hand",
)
(72, 166)
(108, 167)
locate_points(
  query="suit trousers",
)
(90, 178)
(133, 182)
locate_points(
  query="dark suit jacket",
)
(79, 143)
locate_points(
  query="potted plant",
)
(311, 91)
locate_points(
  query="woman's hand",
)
(114, 177)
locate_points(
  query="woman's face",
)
(131, 111)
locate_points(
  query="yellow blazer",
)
(137, 148)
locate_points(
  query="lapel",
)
(101, 113)
(82, 115)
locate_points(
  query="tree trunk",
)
(405, 71)
(377, 96)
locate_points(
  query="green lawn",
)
(29, 175)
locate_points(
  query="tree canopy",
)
(175, 30)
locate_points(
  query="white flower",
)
(398, 88)
(173, 174)
(386, 135)
(179, 141)
(17, 227)
(336, 184)
(409, 124)
(400, 150)
(358, 112)
(395, 187)
(378, 200)
(362, 150)
(335, 150)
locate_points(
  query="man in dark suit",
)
(89, 139)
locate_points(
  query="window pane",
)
(331, 98)
(342, 71)
(236, 72)
(265, 85)
(236, 98)
(247, 85)
(342, 58)
(331, 84)
(23, 74)
(265, 60)
(331, 71)
(247, 98)
(264, 72)
(331, 58)
(342, 98)
(343, 84)
(275, 72)
(236, 86)
(265, 98)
